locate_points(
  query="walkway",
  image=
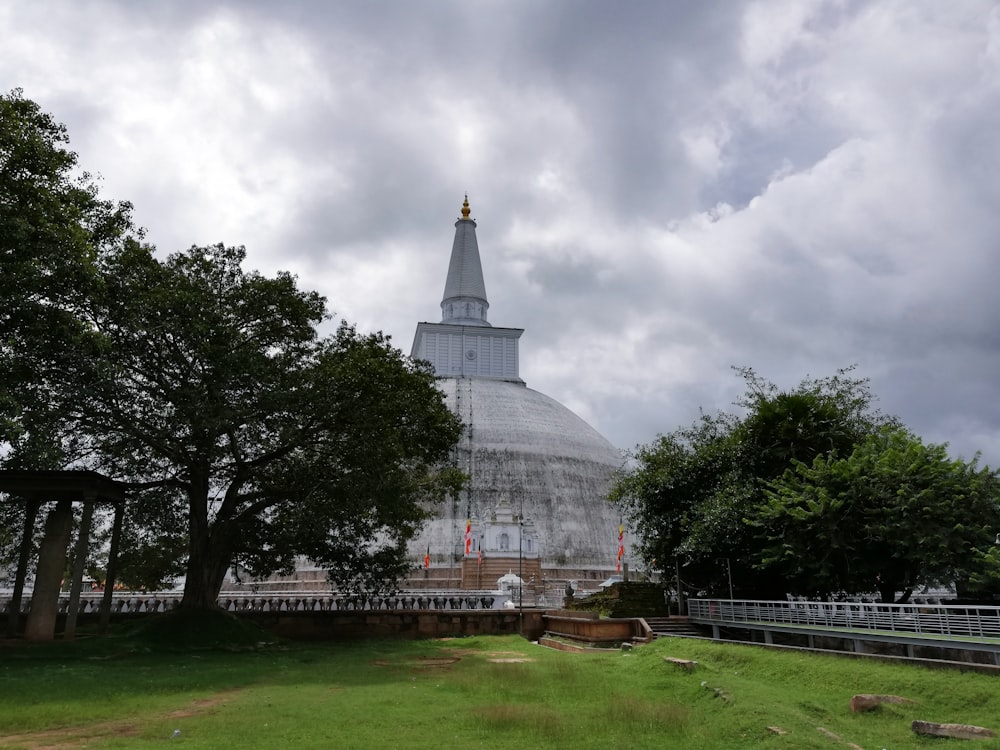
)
(913, 626)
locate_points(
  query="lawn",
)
(469, 693)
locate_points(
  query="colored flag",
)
(427, 557)
(480, 555)
(468, 536)
(621, 545)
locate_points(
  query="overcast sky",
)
(663, 189)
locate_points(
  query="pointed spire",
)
(464, 301)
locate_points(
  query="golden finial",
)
(465, 207)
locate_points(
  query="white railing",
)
(931, 619)
(300, 601)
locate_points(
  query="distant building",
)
(540, 475)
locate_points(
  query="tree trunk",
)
(888, 592)
(206, 572)
(210, 553)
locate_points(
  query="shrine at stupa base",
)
(541, 587)
(472, 575)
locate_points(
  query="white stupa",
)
(533, 464)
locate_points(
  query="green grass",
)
(467, 693)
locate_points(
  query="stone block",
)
(958, 731)
(686, 664)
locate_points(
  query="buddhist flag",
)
(621, 545)
(468, 536)
(427, 557)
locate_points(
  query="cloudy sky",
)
(663, 189)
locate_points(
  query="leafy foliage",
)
(891, 515)
(53, 226)
(213, 392)
(249, 438)
(693, 492)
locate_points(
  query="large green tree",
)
(890, 515)
(694, 492)
(250, 438)
(211, 389)
(53, 228)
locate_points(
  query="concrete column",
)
(79, 566)
(24, 554)
(715, 632)
(112, 572)
(768, 638)
(41, 624)
(680, 591)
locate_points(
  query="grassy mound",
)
(633, 599)
(184, 629)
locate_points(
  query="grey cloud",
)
(858, 181)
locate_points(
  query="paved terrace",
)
(954, 627)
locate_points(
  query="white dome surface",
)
(551, 466)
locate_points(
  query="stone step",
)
(675, 626)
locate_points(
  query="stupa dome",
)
(525, 453)
(526, 448)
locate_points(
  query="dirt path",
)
(70, 738)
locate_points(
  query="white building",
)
(527, 455)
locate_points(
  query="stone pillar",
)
(79, 566)
(680, 592)
(24, 554)
(112, 572)
(41, 624)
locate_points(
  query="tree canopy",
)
(53, 226)
(212, 390)
(744, 492)
(248, 437)
(891, 515)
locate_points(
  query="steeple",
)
(464, 302)
(464, 344)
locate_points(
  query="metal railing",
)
(959, 621)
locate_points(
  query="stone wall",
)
(595, 630)
(338, 626)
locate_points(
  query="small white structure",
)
(503, 533)
(511, 585)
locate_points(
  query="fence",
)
(300, 601)
(957, 621)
